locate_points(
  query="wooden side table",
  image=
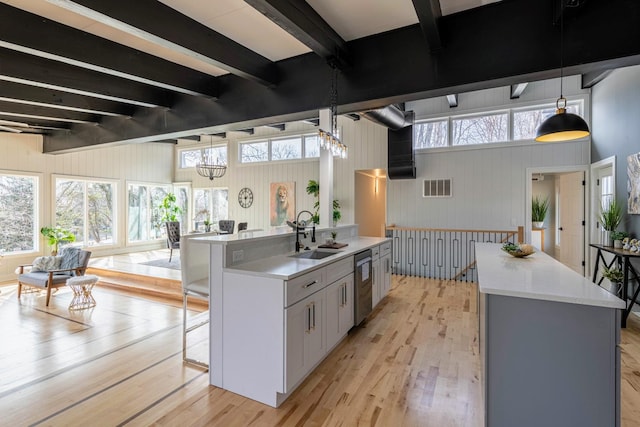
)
(622, 259)
(81, 287)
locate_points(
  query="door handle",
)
(560, 228)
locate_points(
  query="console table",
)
(622, 259)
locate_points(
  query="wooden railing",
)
(442, 253)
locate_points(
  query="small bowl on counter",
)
(519, 251)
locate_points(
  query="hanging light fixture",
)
(562, 126)
(208, 166)
(329, 140)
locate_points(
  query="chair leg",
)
(19, 289)
(170, 253)
(48, 295)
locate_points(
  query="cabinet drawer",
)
(385, 248)
(303, 286)
(339, 269)
(375, 251)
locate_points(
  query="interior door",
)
(570, 206)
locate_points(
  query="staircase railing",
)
(442, 253)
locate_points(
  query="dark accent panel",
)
(191, 137)
(429, 13)
(26, 29)
(594, 77)
(300, 20)
(34, 110)
(56, 98)
(400, 158)
(22, 66)
(156, 18)
(394, 66)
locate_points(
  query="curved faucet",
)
(298, 228)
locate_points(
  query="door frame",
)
(609, 162)
(529, 173)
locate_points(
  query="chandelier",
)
(208, 165)
(330, 140)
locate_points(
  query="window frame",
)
(38, 202)
(193, 223)
(150, 185)
(269, 141)
(201, 150)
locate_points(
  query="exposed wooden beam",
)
(353, 116)
(429, 13)
(160, 24)
(24, 32)
(54, 113)
(517, 89)
(27, 69)
(601, 36)
(452, 99)
(62, 127)
(594, 77)
(300, 20)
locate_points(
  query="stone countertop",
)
(285, 267)
(537, 276)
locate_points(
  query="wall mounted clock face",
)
(245, 197)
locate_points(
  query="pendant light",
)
(562, 126)
(329, 140)
(208, 166)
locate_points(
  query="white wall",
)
(367, 144)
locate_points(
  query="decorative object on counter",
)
(609, 219)
(634, 245)
(519, 251)
(283, 202)
(210, 166)
(625, 244)
(330, 140)
(617, 237)
(313, 189)
(207, 225)
(539, 208)
(562, 126)
(245, 197)
(633, 183)
(56, 235)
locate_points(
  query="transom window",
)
(189, 158)
(18, 213)
(277, 149)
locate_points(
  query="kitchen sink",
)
(314, 254)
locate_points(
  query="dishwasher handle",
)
(363, 261)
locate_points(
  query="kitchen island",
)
(548, 343)
(275, 316)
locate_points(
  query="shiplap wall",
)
(367, 144)
(149, 163)
(488, 181)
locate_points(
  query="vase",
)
(617, 244)
(538, 224)
(606, 238)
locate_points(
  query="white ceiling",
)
(237, 20)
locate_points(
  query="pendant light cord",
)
(561, 46)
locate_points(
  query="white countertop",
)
(285, 267)
(537, 276)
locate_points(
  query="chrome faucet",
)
(301, 230)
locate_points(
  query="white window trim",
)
(126, 221)
(39, 214)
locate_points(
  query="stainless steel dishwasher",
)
(363, 285)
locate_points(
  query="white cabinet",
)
(339, 303)
(385, 269)
(305, 341)
(376, 290)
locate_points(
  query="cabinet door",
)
(316, 343)
(339, 304)
(376, 282)
(346, 313)
(386, 274)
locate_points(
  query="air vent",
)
(436, 188)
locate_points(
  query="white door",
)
(571, 223)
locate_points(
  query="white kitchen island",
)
(548, 342)
(275, 317)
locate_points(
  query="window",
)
(211, 204)
(311, 146)
(254, 152)
(431, 134)
(286, 149)
(480, 129)
(189, 158)
(144, 212)
(18, 215)
(525, 122)
(87, 209)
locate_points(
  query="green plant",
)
(336, 211)
(539, 208)
(333, 235)
(611, 216)
(615, 275)
(313, 189)
(56, 235)
(619, 235)
(170, 209)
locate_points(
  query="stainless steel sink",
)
(314, 254)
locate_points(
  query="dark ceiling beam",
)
(37, 123)
(300, 20)
(280, 126)
(394, 66)
(157, 20)
(54, 113)
(313, 122)
(22, 93)
(27, 69)
(248, 131)
(191, 137)
(429, 13)
(222, 135)
(75, 47)
(452, 100)
(353, 116)
(592, 78)
(517, 89)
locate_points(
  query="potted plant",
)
(615, 276)
(313, 189)
(207, 225)
(336, 212)
(170, 209)
(610, 218)
(539, 208)
(56, 235)
(617, 237)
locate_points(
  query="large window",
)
(18, 196)
(144, 212)
(289, 148)
(189, 158)
(86, 207)
(209, 204)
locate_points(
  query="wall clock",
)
(245, 197)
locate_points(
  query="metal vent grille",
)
(436, 188)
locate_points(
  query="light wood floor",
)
(414, 363)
